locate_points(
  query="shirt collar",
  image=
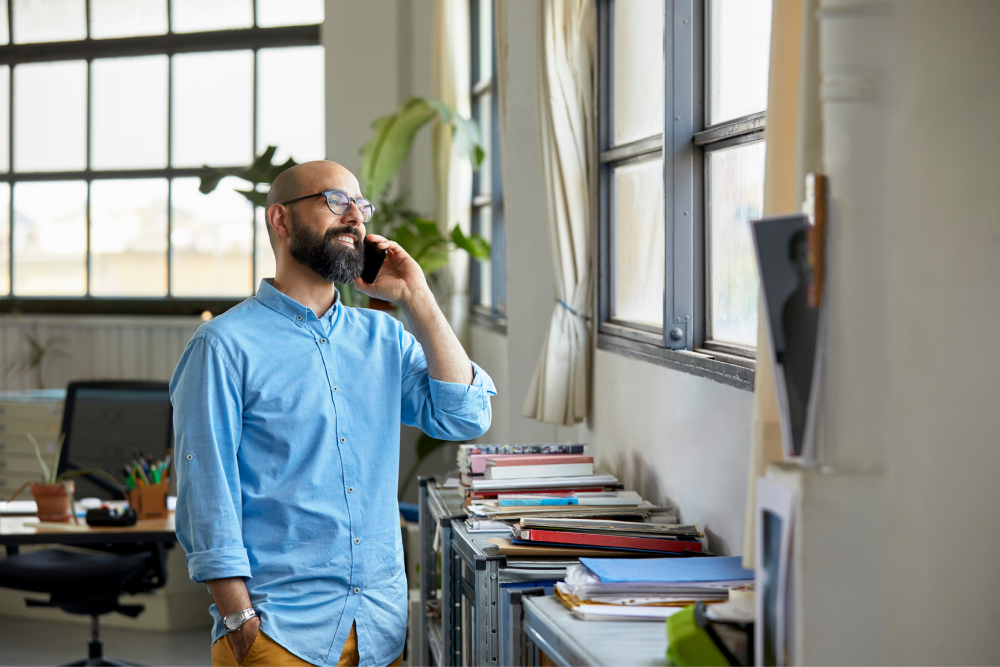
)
(289, 307)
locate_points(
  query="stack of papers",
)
(650, 583)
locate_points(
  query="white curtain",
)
(567, 74)
(452, 171)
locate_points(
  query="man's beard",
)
(330, 259)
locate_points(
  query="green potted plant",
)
(381, 158)
(53, 492)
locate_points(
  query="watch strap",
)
(235, 620)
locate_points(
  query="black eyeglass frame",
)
(350, 200)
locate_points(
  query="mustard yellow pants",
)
(265, 652)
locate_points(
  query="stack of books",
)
(548, 501)
(647, 589)
(489, 470)
(641, 537)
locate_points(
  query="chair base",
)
(101, 661)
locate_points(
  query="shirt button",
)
(350, 489)
(357, 590)
(357, 540)
(298, 317)
(335, 389)
(190, 456)
(343, 439)
(323, 341)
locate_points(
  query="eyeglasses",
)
(339, 203)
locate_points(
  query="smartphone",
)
(373, 261)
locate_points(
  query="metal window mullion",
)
(605, 263)
(254, 278)
(498, 246)
(10, 163)
(170, 163)
(679, 66)
(89, 117)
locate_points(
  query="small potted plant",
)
(54, 492)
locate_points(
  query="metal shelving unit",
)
(474, 617)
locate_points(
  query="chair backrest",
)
(104, 421)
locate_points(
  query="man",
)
(286, 418)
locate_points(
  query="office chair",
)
(102, 422)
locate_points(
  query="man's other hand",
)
(400, 280)
(243, 638)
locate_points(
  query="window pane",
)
(4, 28)
(736, 196)
(265, 255)
(198, 15)
(50, 116)
(4, 238)
(638, 70)
(485, 40)
(639, 243)
(50, 238)
(4, 118)
(128, 238)
(127, 18)
(289, 12)
(49, 20)
(485, 174)
(212, 240)
(484, 227)
(296, 129)
(739, 52)
(213, 109)
(129, 107)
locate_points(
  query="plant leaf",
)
(41, 462)
(55, 461)
(389, 147)
(255, 197)
(72, 503)
(475, 244)
(18, 492)
(465, 132)
(90, 471)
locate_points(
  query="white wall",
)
(94, 347)
(677, 439)
(910, 89)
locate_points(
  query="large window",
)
(489, 279)
(683, 96)
(111, 111)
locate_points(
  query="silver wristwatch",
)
(235, 620)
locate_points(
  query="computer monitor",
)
(105, 421)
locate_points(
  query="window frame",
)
(683, 342)
(493, 316)
(242, 39)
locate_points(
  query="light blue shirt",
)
(287, 449)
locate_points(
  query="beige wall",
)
(677, 439)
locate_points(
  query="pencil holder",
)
(149, 502)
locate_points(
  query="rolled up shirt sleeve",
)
(208, 407)
(444, 410)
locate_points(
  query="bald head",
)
(306, 179)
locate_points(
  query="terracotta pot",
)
(53, 501)
(381, 304)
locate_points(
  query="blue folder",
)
(668, 570)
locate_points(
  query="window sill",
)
(724, 368)
(483, 318)
(117, 306)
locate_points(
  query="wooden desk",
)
(17, 530)
(567, 640)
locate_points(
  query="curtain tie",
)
(566, 306)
